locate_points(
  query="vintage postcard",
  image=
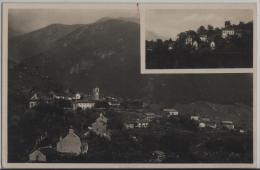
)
(192, 38)
(75, 94)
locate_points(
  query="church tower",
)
(96, 93)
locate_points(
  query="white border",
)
(92, 165)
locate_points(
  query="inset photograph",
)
(198, 38)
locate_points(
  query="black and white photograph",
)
(198, 38)
(75, 96)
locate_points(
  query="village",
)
(192, 47)
(136, 119)
(206, 38)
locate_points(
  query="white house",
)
(171, 112)
(242, 131)
(129, 125)
(69, 144)
(188, 40)
(202, 125)
(95, 93)
(196, 118)
(195, 45)
(171, 46)
(83, 104)
(212, 45)
(33, 104)
(143, 123)
(150, 116)
(37, 156)
(204, 38)
(227, 32)
(208, 123)
(113, 104)
(212, 125)
(34, 101)
(227, 124)
(77, 96)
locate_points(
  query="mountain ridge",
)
(107, 54)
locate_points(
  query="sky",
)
(27, 20)
(168, 23)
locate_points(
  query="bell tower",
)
(96, 93)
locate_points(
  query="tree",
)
(101, 104)
(210, 27)
(241, 23)
(201, 30)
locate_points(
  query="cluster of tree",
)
(182, 141)
(27, 126)
(234, 51)
(53, 120)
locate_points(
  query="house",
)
(95, 93)
(206, 122)
(171, 46)
(130, 121)
(142, 123)
(227, 124)
(34, 101)
(150, 116)
(212, 45)
(129, 125)
(134, 138)
(157, 156)
(83, 104)
(70, 97)
(193, 117)
(226, 32)
(78, 96)
(59, 97)
(242, 131)
(212, 125)
(70, 144)
(171, 112)
(114, 104)
(202, 125)
(112, 101)
(37, 156)
(195, 45)
(188, 40)
(204, 37)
